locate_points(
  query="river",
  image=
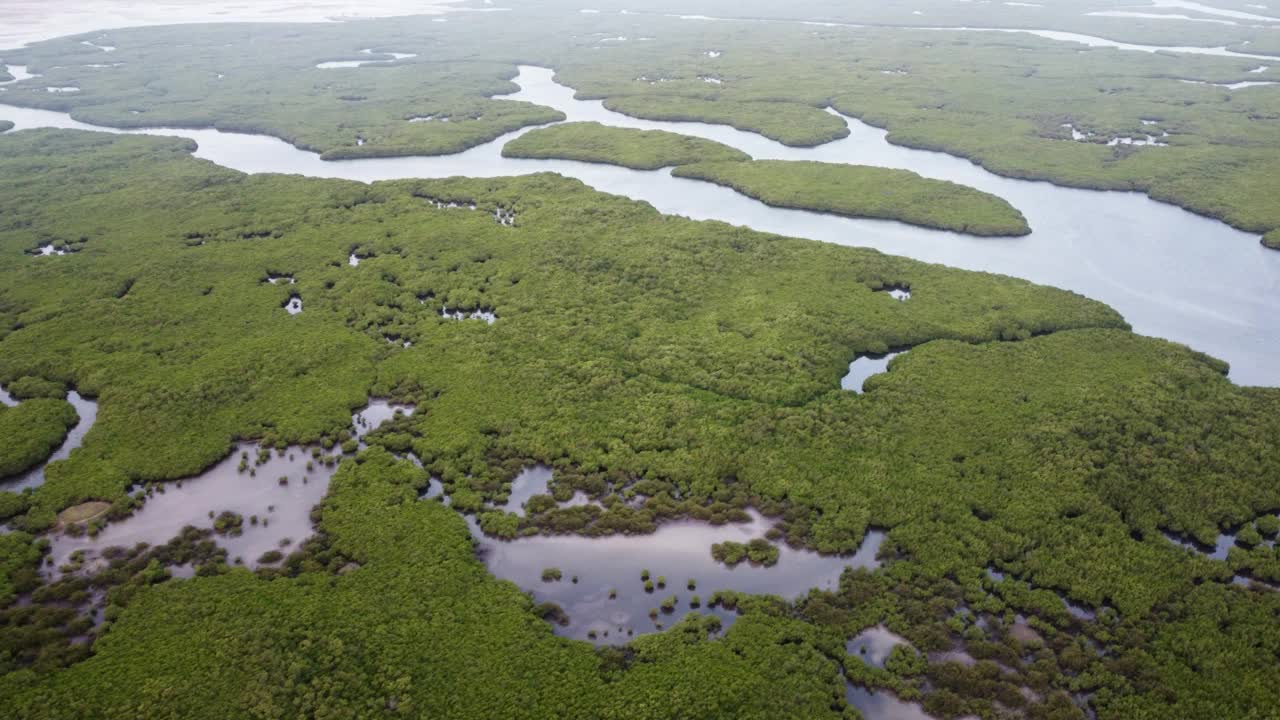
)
(1171, 273)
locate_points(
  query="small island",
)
(788, 123)
(866, 192)
(635, 149)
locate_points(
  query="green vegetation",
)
(18, 556)
(551, 574)
(1004, 108)
(228, 523)
(36, 387)
(1269, 525)
(795, 125)
(377, 643)
(1272, 239)
(862, 191)
(758, 551)
(636, 149)
(6, 125)
(270, 557)
(852, 190)
(693, 365)
(32, 431)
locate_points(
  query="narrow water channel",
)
(87, 410)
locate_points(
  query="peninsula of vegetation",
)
(863, 191)
(6, 125)
(32, 431)
(636, 149)
(850, 190)
(790, 124)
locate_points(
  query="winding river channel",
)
(1172, 274)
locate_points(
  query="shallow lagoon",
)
(677, 551)
(280, 491)
(283, 509)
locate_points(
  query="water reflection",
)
(378, 411)
(1221, 549)
(677, 552)
(531, 481)
(873, 645)
(275, 501)
(863, 367)
(883, 705)
(274, 497)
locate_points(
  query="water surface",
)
(678, 551)
(283, 508)
(279, 492)
(863, 367)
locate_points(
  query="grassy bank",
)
(862, 191)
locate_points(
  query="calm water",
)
(531, 481)
(678, 551)
(1173, 274)
(283, 508)
(873, 645)
(863, 367)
